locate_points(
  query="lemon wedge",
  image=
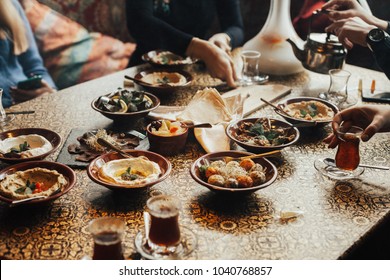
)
(123, 106)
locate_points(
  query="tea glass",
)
(164, 230)
(337, 92)
(250, 68)
(107, 233)
(347, 156)
(4, 118)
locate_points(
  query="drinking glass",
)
(4, 118)
(164, 230)
(337, 92)
(250, 68)
(347, 156)
(107, 233)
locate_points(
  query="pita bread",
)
(207, 106)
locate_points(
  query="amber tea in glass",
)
(347, 156)
(164, 231)
(107, 234)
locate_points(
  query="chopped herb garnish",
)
(257, 129)
(22, 147)
(165, 80)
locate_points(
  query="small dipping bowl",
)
(166, 145)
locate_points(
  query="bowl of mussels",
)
(125, 105)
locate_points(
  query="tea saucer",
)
(336, 173)
(187, 244)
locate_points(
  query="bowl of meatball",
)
(233, 172)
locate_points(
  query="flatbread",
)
(206, 106)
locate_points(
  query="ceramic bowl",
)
(97, 163)
(127, 117)
(232, 129)
(167, 145)
(66, 171)
(303, 121)
(149, 57)
(161, 89)
(270, 172)
(53, 137)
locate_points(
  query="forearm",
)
(152, 33)
(231, 20)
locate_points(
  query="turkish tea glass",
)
(347, 156)
(164, 229)
(4, 118)
(107, 233)
(250, 68)
(337, 93)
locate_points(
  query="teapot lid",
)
(323, 38)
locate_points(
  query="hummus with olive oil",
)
(310, 110)
(20, 184)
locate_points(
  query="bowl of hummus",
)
(44, 179)
(27, 144)
(162, 81)
(143, 169)
(308, 110)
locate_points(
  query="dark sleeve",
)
(229, 14)
(382, 55)
(31, 60)
(388, 27)
(150, 32)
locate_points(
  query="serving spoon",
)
(107, 144)
(199, 125)
(331, 162)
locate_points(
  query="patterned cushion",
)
(105, 16)
(71, 54)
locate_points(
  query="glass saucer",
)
(257, 80)
(187, 245)
(6, 120)
(336, 173)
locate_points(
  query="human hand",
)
(20, 95)
(372, 118)
(222, 41)
(350, 31)
(218, 62)
(343, 9)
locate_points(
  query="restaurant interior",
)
(171, 159)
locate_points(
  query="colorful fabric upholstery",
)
(71, 54)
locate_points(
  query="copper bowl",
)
(148, 57)
(97, 163)
(167, 145)
(161, 89)
(303, 121)
(271, 172)
(66, 171)
(231, 132)
(126, 118)
(53, 137)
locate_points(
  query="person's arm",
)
(381, 51)
(372, 118)
(151, 32)
(31, 60)
(229, 14)
(343, 9)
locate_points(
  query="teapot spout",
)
(299, 54)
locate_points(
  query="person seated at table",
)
(181, 26)
(355, 25)
(19, 56)
(372, 118)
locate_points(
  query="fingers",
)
(338, 15)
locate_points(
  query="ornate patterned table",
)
(336, 215)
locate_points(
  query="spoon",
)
(27, 199)
(204, 125)
(275, 107)
(107, 144)
(331, 162)
(138, 81)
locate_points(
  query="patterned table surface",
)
(335, 215)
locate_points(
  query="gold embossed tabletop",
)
(335, 215)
